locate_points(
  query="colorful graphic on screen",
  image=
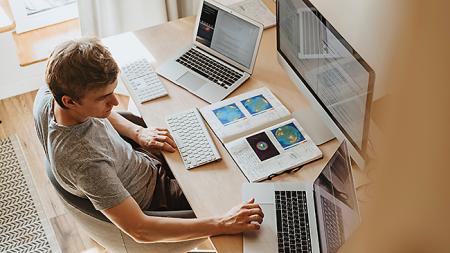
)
(229, 114)
(288, 135)
(256, 104)
(262, 146)
(207, 24)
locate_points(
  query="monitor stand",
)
(313, 125)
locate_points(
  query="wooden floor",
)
(16, 118)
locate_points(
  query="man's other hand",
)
(243, 217)
(156, 138)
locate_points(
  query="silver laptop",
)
(306, 217)
(221, 57)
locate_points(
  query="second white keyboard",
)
(143, 80)
(192, 138)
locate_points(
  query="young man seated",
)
(82, 139)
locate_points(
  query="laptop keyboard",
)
(207, 67)
(334, 228)
(292, 222)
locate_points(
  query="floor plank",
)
(68, 237)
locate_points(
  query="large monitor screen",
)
(227, 34)
(338, 78)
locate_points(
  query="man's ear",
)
(68, 102)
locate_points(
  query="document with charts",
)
(260, 134)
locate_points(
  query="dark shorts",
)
(168, 195)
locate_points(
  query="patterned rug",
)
(23, 224)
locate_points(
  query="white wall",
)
(15, 80)
(105, 18)
(369, 26)
(189, 7)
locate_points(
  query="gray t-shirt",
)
(92, 160)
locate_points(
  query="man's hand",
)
(244, 217)
(156, 138)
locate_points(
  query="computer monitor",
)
(328, 71)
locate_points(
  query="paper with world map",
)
(260, 134)
(276, 149)
(243, 114)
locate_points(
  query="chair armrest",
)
(185, 214)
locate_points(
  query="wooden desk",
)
(214, 188)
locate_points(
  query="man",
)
(82, 138)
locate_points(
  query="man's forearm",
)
(146, 229)
(157, 229)
(124, 126)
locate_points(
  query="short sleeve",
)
(101, 185)
(41, 110)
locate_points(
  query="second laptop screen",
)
(227, 34)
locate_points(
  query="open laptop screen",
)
(227, 34)
(335, 199)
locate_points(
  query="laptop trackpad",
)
(191, 81)
(265, 239)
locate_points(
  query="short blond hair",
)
(78, 66)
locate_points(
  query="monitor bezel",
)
(362, 151)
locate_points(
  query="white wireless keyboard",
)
(192, 138)
(143, 80)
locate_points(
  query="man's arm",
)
(146, 229)
(124, 126)
(153, 138)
